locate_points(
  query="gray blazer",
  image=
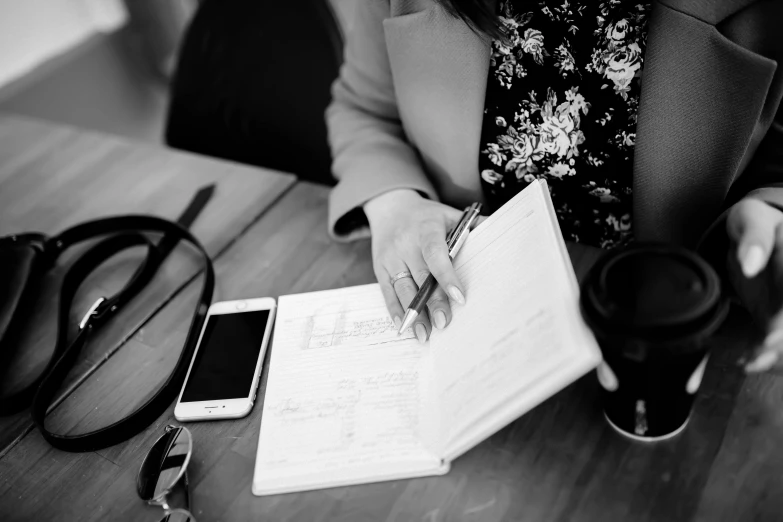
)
(407, 112)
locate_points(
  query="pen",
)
(455, 240)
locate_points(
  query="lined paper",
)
(518, 324)
(346, 396)
(348, 401)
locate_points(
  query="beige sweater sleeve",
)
(369, 150)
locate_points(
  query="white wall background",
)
(33, 31)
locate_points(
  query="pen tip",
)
(407, 321)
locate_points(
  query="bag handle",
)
(125, 232)
(79, 271)
(100, 312)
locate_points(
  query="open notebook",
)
(348, 401)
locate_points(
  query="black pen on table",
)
(455, 240)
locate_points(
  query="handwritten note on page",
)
(347, 400)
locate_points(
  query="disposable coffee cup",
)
(653, 309)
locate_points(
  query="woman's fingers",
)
(751, 224)
(438, 303)
(406, 289)
(413, 239)
(389, 296)
(439, 308)
(435, 254)
(769, 356)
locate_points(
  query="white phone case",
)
(228, 408)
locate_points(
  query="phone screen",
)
(226, 359)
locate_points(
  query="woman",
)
(649, 121)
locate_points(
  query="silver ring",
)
(401, 275)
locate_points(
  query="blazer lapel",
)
(701, 99)
(440, 69)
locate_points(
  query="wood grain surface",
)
(559, 462)
(52, 177)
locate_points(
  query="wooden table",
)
(560, 462)
(52, 177)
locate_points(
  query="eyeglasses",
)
(163, 467)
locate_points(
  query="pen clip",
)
(450, 235)
(460, 232)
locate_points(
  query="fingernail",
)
(774, 337)
(763, 362)
(439, 317)
(692, 386)
(421, 333)
(456, 294)
(753, 261)
(397, 323)
(606, 377)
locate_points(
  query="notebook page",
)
(520, 325)
(346, 398)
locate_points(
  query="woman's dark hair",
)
(480, 15)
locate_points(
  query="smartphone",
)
(223, 375)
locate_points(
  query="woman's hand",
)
(756, 269)
(409, 235)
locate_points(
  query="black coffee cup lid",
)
(651, 289)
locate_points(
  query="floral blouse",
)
(561, 103)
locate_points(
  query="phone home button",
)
(241, 305)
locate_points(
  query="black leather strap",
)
(187, 218)
(79, 271)
(149, 411)
(124, 232)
